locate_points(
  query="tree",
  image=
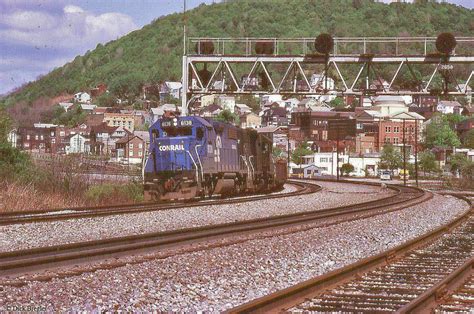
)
(439, 133)
(302, 150)
(105, 100)
(457, 162)
(428, 161)
(347, 168)
(469, 139)
(278, 152)
(337, 102)
(390, 158)
(227, 116)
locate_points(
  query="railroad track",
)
(411, 278)
(31, 260)
(10, 218)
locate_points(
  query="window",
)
(53, 141)
(36, 137)
(387, 129)
(62, 133)
(387, 140)
(28, 137)
(140, 145)
(395, 140)
(324, 159)
(52, 133)
(140, 153)
(27, 144)
(131, 153)
(42, 137)
(360, 126)
(130, 146)
(396, 129)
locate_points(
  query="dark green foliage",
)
(337, 103)
(347, 168)
(71, 118)
(302, 150)
(390, 158)
(469, 139)
(440, 134)
(458, 162)
(154, 52)
(227, 116)
(428, 161)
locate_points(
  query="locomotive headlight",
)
(175, 121)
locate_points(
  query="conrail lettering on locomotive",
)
(165, 148)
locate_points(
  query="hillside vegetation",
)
(153, 53)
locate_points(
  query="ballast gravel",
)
(30, 235)
(220, 278)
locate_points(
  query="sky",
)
(38, 35)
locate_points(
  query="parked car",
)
(385, 175)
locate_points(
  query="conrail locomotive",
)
(194, 157)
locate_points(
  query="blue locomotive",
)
(193, 157)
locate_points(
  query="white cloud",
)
(75, 28)
(40, 36)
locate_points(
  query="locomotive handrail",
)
(253, 169)
(199, 159)
(246, 165)
(197, 169)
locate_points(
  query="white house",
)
(291, 103)
(88, 108)
(318, 81)
(326, 162)
(12, 137)
(364, 164)
(226, 102)
(78, 144)
(270, 99)
(241, 109)
(171, 89)
(446, 106)
(82, 97)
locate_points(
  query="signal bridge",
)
(325, 65)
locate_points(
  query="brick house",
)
(131, 149)
(275, 116)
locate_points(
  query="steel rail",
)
(281, 301)
(21, 261)
(17, 217)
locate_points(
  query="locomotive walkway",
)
(31, 260)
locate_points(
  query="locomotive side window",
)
(199, 133)
(155, 133)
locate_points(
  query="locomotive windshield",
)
(178, 131)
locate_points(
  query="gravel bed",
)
(217, 279)
(23, 236)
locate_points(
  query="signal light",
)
(264, 47)
(205, 47)
(324, 43)
(445, 43)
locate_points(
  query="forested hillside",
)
(154, 52)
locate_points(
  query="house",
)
(241, 109)
(131, 149)
(98, 90)
(312, 171)
(318, 82)
(82, 97)
(66, 105)
(210, 111)
(101, 141)
(171, 90)
(226, 102)
(125, 120)
(12, 138)
(207, 100)
(326, 162)
(39, 138)
(463, 127)
(275, 116)
(270, 98)
(88, 108)
(447, 106)
(159, 112)
(250, 120)
(78, 144)
(364, 164)
(291, 104)
(468, 111)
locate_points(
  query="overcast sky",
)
(38, 35)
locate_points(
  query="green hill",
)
(154, 52)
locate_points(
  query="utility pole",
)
(404, 157)
(337, 154)
(416, 151)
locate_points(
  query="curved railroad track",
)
(30, 260)
(10, 218)
(412, 278)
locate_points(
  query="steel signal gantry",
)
(284, 66)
